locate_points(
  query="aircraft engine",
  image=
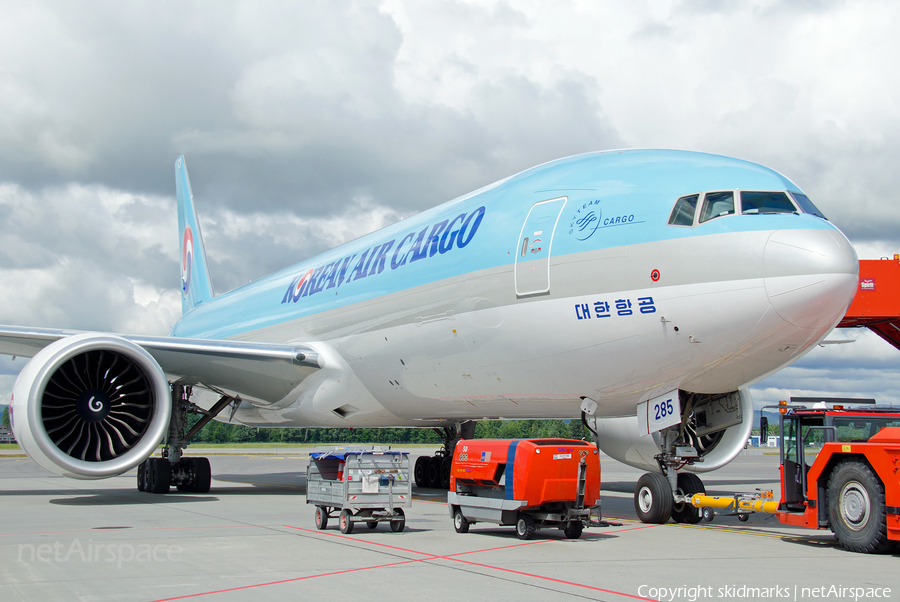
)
(90, 406)
(716, 426)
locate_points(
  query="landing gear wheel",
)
(141, 482)
(398, 523)
(421, 471)
(445, 471)
(460, 522)
(202, 475)
(433, 474)
(346, 521)
(160, 475)
(856, 508)
(573, 529)
(653, 498)
(321, 517)
(689, 484)
(524, 526)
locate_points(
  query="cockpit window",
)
(717, 204)
(766, 202)
(683, 213)
(806, 205)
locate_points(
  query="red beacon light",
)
(782, 406)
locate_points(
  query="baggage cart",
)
(360, 484)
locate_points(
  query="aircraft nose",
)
(810, 275)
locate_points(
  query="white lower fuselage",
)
(727, 310)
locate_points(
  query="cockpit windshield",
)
(806, 205)
(694, 209)
(717, 204)
(766, 202)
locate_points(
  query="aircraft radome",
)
(643, 290)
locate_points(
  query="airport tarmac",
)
(253, 537)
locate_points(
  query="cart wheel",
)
(743, 517)
(346, 521)
(573, 529)
(371, 524)
(321, 517)
(399, 522)
(708, 514)
(524, 526)
(460, 523)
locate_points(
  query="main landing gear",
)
(158, 475)
(434, 471)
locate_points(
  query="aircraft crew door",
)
(533, 251)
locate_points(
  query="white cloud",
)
(308, 124)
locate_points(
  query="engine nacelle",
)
(90, 406)
(620, 437)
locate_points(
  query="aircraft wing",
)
(265, 371)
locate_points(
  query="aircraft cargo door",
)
(533, 252)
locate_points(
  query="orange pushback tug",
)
(529, 483)
(840, 470)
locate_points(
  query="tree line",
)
(220, 432)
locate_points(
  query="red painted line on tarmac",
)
(243, 587)
(515, 545)
(427, 557)
(355, 540)
(572, 583)
(131, 530)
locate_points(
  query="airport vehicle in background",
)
(529, 483)
(839, 471)
(362, 484)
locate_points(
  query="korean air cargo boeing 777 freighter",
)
(641, 290)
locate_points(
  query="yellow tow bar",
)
(740, 504)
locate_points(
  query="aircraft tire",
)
(421, 471)
(856, 509)
(141, 479)
(202, 475)
(433, 474)
(160, 475)
(445, 472)
(688, 484)
(653, 498)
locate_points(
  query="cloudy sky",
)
(306, 124)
